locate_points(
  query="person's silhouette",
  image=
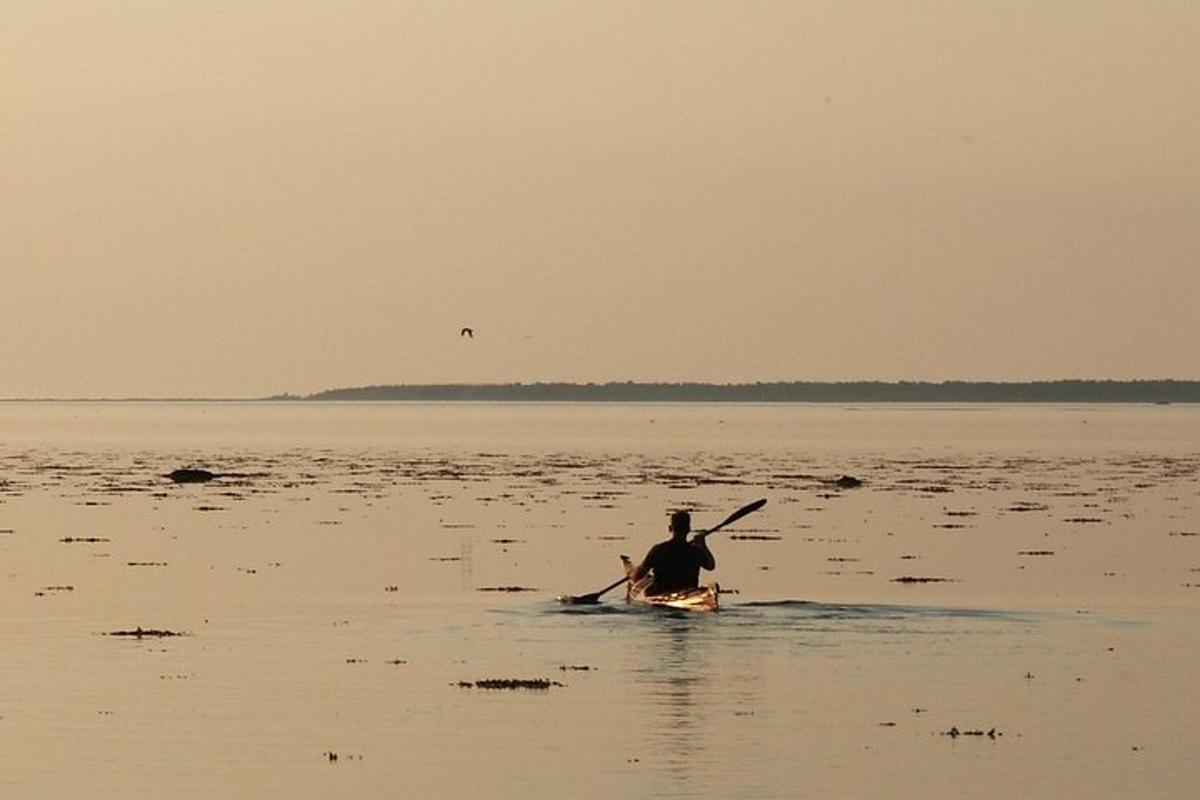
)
(676, 563)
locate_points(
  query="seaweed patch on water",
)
(146, 633)
(84, 539)
(506, 589)
(540, 684)
(954, 732)
(921, 579)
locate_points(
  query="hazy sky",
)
(243, 197)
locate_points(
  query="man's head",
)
(681, 524)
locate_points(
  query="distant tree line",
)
(1064, 391)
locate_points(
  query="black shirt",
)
(676, 565)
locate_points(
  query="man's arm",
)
(640, 571)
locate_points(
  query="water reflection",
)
(674, 680)
(716, 708)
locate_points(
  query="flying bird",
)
(468, 332)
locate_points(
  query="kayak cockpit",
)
(701, 598)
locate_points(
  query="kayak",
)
(702, 598)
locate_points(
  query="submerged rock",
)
(192, 476)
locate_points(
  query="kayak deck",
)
(702, 598)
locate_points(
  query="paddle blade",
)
(591, 598)
(579, 599)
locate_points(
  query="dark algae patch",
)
(921, 579)
(506, 589)
(539, 684)
(954, 732)
(145, 633)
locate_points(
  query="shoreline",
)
(1132, 392)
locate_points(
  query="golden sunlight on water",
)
(1005, 606)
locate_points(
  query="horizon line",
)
(325, 393)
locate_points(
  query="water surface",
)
(1028, 572)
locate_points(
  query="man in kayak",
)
(675, 563)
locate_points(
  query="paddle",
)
(594, 597)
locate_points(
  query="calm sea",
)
(1006, 607)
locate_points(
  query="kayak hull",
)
(702, 598)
